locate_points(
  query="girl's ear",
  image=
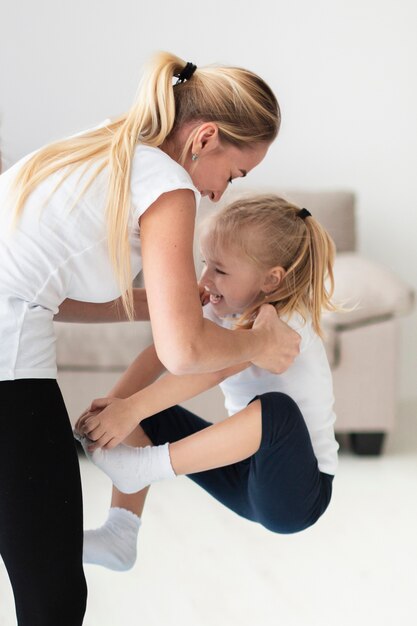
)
(272, 279)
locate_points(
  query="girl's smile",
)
(214, 297)
(232, 282)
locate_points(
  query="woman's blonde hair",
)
(269, 231)
(238, 101)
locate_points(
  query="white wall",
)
(344, 71)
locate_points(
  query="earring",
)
(194, 157)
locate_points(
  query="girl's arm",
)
(143, 371)
(75, 311)
(185, 341)
(118, 417)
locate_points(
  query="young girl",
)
(273, 460)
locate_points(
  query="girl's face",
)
(233, 282)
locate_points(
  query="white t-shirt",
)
(59, 250)
(308, 382)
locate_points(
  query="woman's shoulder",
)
(150, 161)
(154, 173)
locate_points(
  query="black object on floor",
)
(369, 444)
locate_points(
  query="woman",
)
(78, 219)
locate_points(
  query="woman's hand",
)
(281, 343)
(107, 422)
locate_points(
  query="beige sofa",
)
(362, 344)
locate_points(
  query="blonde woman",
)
(273, 460)
(78, 219)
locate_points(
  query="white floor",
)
(201, 565)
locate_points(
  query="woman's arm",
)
(184, 340)
(119, 417)
(76, 311)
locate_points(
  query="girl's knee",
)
(274, 401)
(281, 417)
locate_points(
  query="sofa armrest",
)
(370, 290)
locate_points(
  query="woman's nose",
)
(216, 195)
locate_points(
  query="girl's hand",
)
(81, 420)
(281, 343)
(107, 423)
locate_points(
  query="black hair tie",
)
(186, 73)
(303, 213)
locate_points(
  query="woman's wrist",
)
(258, 339)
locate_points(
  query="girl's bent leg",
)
(40, 505)
(226, 484)
(287, 491)
(230, 441)
(280, 485)
(227, 442)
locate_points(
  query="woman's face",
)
(215, 169)
(217, 163)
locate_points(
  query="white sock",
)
(113, 545)
(132, 469)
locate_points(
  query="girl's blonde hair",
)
(238, 101)
(270, 233)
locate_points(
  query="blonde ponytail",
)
(242, 105)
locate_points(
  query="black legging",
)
(40, 505)
(280, 486)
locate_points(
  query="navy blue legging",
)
(41, 517)
(280, 486)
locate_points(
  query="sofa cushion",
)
(372, 291)
(335, 210)
(100, 346)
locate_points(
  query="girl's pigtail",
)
(321, 253)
